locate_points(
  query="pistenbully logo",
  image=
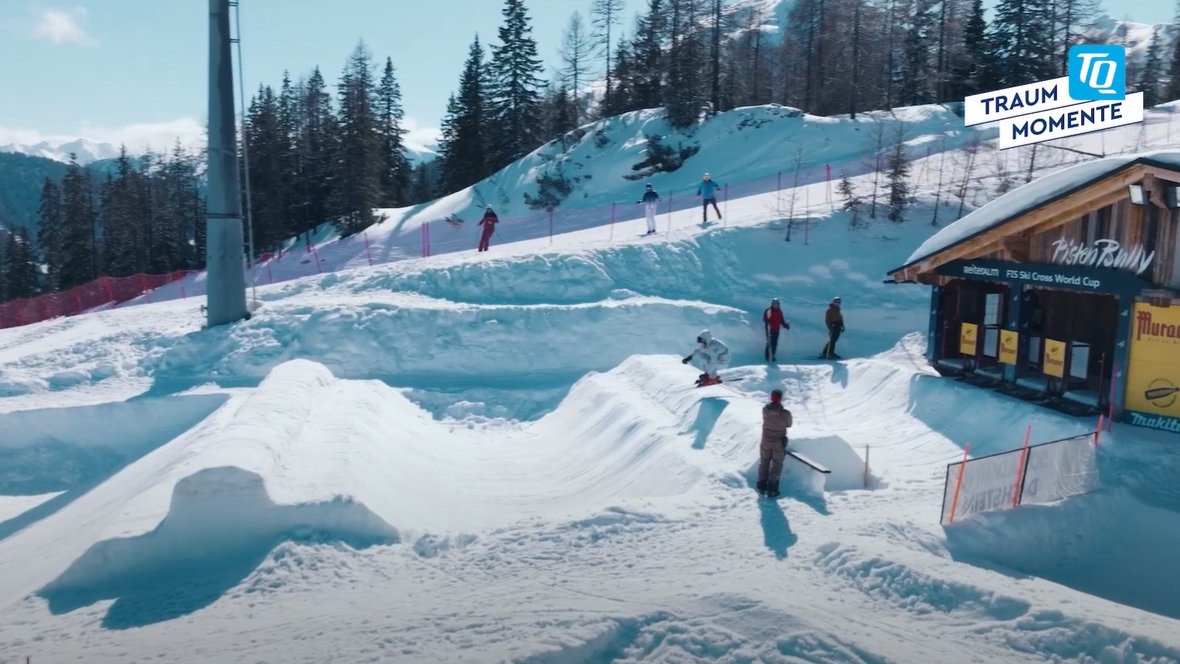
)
(1097, 72)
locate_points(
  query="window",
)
(991, 309)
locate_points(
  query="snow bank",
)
(1106, 544)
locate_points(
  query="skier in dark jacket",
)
(834, 320)
(775, 421)
(773, 319)
(488, 222)
(649, 200)
(708, 192)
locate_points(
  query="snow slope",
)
(500, 457)
(361, 472)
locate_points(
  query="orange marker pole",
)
(1020, 470)
(1098, 431)
(959, 483)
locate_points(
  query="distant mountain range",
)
(89, 152)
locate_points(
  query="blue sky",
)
(135, 70)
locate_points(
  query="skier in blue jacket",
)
(708, 191)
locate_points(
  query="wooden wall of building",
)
(1124, 222)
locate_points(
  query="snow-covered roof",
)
(1030, 196)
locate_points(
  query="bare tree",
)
(938, 188)
(576, 48)
(875, 161)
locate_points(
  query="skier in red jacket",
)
(774, 321)
(488, 222)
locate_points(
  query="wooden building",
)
(1066, 291)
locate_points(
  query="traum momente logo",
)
(1097, 72)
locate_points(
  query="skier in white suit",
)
(710, 356)
(650, 197)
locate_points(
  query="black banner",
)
(1070, 277)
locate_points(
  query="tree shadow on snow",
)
(707, 415)
(70, 451)
(776, 530)
(220, 527)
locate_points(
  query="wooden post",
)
(959, 483)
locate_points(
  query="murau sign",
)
(1103, 253)
(1070, 277)
(1153, 379)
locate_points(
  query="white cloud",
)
(62, 26)
(419, 136)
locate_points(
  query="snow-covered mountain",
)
(86, 151)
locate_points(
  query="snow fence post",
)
(612, 222)
(316, 255)
(550, 226)
(726, 204)
(671, 196)
(1018, 488)
(866, 478)
(828, 187)
(959, 483)
(1114, 376)
(368, 254)
(806, 213)
(778, 193)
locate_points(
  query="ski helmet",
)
(776, 396)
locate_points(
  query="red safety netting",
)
(101, 291)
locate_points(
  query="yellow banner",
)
(1153, 378)
(1008, 345)
(1054, 358)
(968, 335)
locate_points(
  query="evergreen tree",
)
(464, 143)
(317, 145)
(516, 89)
(79, 227)
(359, 159)
(1022, 35)
(605, 15)
(899, 173)
(51, 234)
(685, 97)
(121, 209)
(648, 56)
(1149, 80)
(19, 266)
(974, 72)
(1172, 92)
(395, 168)
(266, 145)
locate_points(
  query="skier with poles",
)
(774, 321)
(710, 356)
(649, 200)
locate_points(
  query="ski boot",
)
(761, 487)
(708, 381)
(772, 489)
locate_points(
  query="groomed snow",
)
(501, 458)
